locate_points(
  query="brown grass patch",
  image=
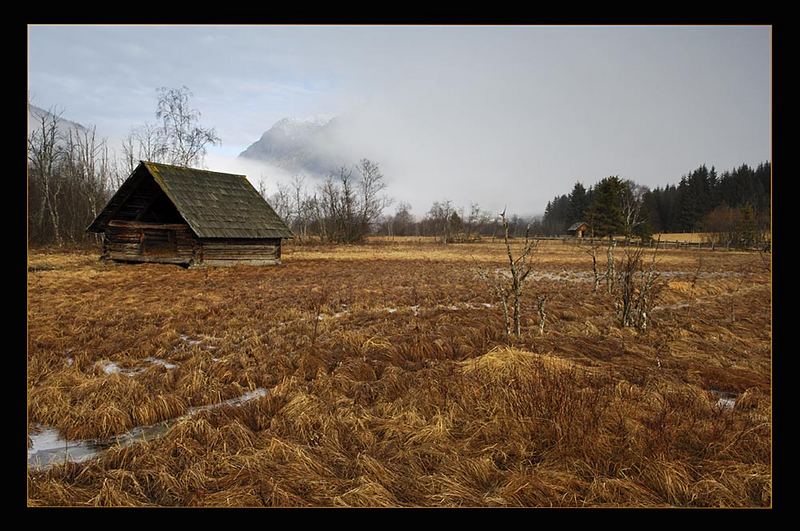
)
(424, 405)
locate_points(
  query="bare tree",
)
(70, 170)
(632, 202)
(262, 187)
(130, 156)
(279, 201)
(403, 221)
(145, 142)
(185, 141)
(475, 222)
(345, 209)
(299, 206)
(638, 287)
(316, 216)
(441, 214)
(345, 221)
(372, 201)
(44, 155)
(86, 166)
(519, 269)
(628, 269)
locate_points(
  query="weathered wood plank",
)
(250, 262)
(124, 257)
(145, 225)
(238, 251)
(136, 241)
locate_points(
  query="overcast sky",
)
(498, 115)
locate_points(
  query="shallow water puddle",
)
(48, 447)
(158, 361)
(190, 341)
(204, 339)
(726, 403)
(725, 399)
(109, 367)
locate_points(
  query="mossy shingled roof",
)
(218, 205)
(575, 226)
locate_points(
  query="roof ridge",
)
(190, 168)
(197, 195)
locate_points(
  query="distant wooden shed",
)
(578, 229)
(175, 215)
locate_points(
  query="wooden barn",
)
(175, 215)
(578, 229)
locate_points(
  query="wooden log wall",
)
(136, 241)
(168, 243)
(227, 252)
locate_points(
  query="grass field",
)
(691, 237)
(388, 381)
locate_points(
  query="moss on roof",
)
(215, 205)
(577, 225)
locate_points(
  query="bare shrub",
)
(508, 288)
(592, 251)
(638, 286)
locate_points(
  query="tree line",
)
(733, 205)
(344, 208)
(349, 205)
(72, 173)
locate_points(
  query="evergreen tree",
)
(677, 208)
(578, 203)
(557, 216)
(605, 213)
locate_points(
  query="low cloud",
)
(502, 116)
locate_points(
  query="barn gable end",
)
(579, 229)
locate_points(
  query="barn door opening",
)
(159, 242)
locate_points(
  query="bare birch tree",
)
(632, 203)
(180, 134)
(441, 214)
(299, 206)
(638, 287)
(44, 155)
(145, 142)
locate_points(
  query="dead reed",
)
(400, 387)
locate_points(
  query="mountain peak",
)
(35, 115)
(299, 145)
(317, 120)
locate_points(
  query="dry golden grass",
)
(691, 237)
(408, 393)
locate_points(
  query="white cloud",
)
(498, 115)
